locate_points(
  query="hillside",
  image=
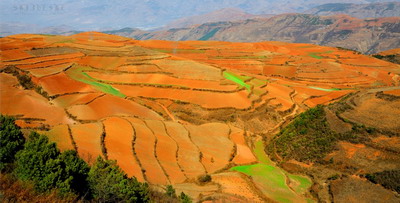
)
(226, 14)
(364, 35)
(148, 105)
(372, 10)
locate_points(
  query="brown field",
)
(188, 153)
(119, 134)
(88, 140)
(166, 151)
(237, 100)
(61, 84)
(145, 149)
(97, 109)
(60, 135)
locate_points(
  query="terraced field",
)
(171, 112)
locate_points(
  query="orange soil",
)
(46, 64)
(395, 92)
(189, 69)
(103, 62)
(327, 98)
(40, 72)
(88, 140)
(75, 99)
(118, 142)
(109, 105)
(216, 147)
(161, 79)
(15, 101)
(14, 54)
(60, 135)
(166, 151)
(62, 84)
(237, 100)
(234, 183)
(145, 148)
(281, 95)
(44, 59)
(243, 153)
(188, 154)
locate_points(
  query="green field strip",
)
(272, 179)
(324, 89)
(303, 183)
(77, 73)
(317, 56)
(238, 79)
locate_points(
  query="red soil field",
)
(118, 142)
(88, 140)
(75, 99)
(216, 147)
(15, 101)
(237, 100)
(14, 54)
(243, 153)
(188, 154)
(40, 72)
(62, 84)
(395, 92)
(60, 135)
(44, 59)
(118, 106)
(189, 69)
(47, 64)
(161, 79)
(327, 98)
(234, 183)
(102, 62)
(166, 151)
(145, 150)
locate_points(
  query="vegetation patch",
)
(388, 179)
(77, 73)
(272, 179)
(240, 80)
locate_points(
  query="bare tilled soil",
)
(197, 115)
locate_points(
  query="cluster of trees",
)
(388, 179)
(307, 138)
(38, 161)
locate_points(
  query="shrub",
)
(204, 178)
(170, 191)
(11, 140)
(388, 179)
(109, 183)
(184, 198)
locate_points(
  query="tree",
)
(170, 191)
(184, 198)
(109, 183)
(41, 162)
(11, 140)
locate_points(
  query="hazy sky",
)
(114, 14)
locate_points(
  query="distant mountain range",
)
(373, 10)
(324, 25)
(144, 14)
(364, 35)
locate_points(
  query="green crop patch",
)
(238, 79)
(272, 180)
(324, 89)
(77, 73)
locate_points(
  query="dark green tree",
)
(109, 183)
(170, 191)
(11, 140)
(184, 198)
